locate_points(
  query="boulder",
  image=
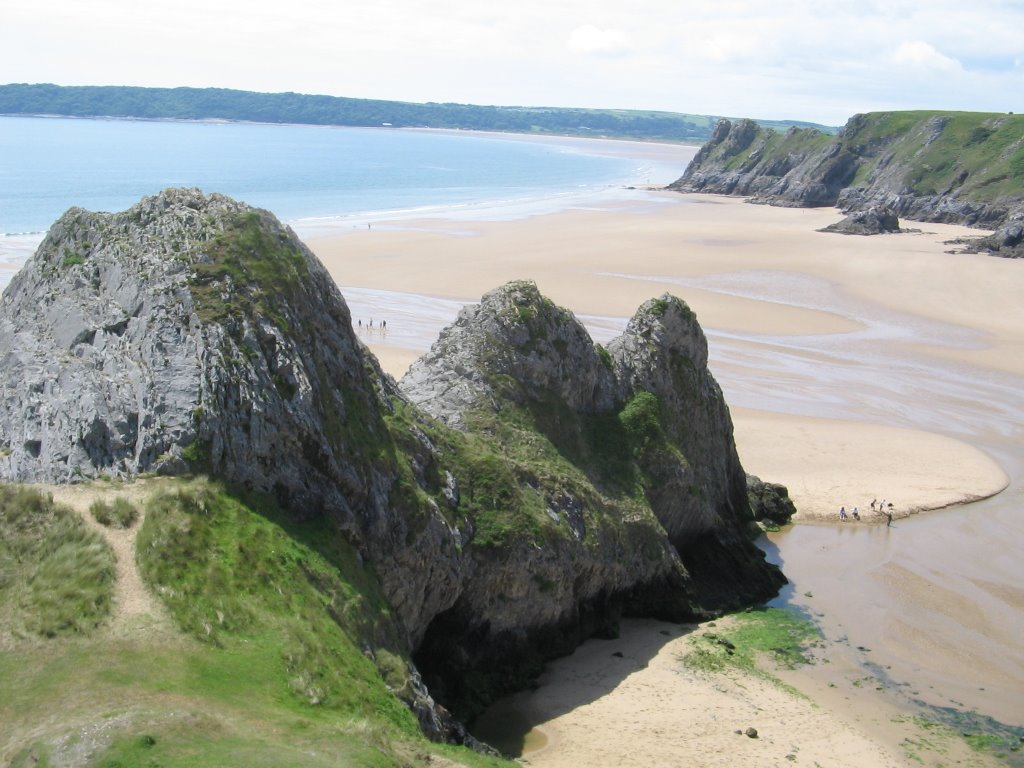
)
(876, 220)
(769, 502)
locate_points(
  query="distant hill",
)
(225, 104)
(956, 167)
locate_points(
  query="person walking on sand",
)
(873, 502)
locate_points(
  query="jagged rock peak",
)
(515, 348)
(152, 339)
(514, 344)
(663, 331)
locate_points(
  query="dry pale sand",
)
(633, 702)
(827, 464)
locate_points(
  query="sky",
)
(815, 60)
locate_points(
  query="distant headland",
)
(248, 106)
(951, 167)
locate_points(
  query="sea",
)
(315, 178)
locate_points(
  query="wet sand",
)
(857, 368)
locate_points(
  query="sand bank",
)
(827, 463)
(632, 702)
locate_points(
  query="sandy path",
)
(134, 605)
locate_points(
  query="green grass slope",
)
(278, 636)
(56, 576)
(980, 155)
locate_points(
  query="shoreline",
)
(454, 131)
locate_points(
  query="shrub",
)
(56, 575)
(120, 513)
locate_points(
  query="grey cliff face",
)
(503, 351)
(515, 333)
(101, 349)
(664, 352)
(193, 333)
(808, 175)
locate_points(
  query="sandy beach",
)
(857, 369)
(763, 282)
(632, 702)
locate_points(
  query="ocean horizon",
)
(317, 179)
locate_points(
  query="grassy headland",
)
(226, 104)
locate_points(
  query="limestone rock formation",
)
(1007, 241)
(637, 434)
(769, 501)
(192, 333)
(800, 169)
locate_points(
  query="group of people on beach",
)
(382, 326)
(882, 507)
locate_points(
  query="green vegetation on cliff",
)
(961, 167)
(783, 146)
(979, 155)
(265, 269)
(225, 104)
(345, 531)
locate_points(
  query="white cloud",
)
(922, 55)
(730, 46)
(589, 39)
(807, 59)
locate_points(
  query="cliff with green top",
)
(341, 561)
(955, 167)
